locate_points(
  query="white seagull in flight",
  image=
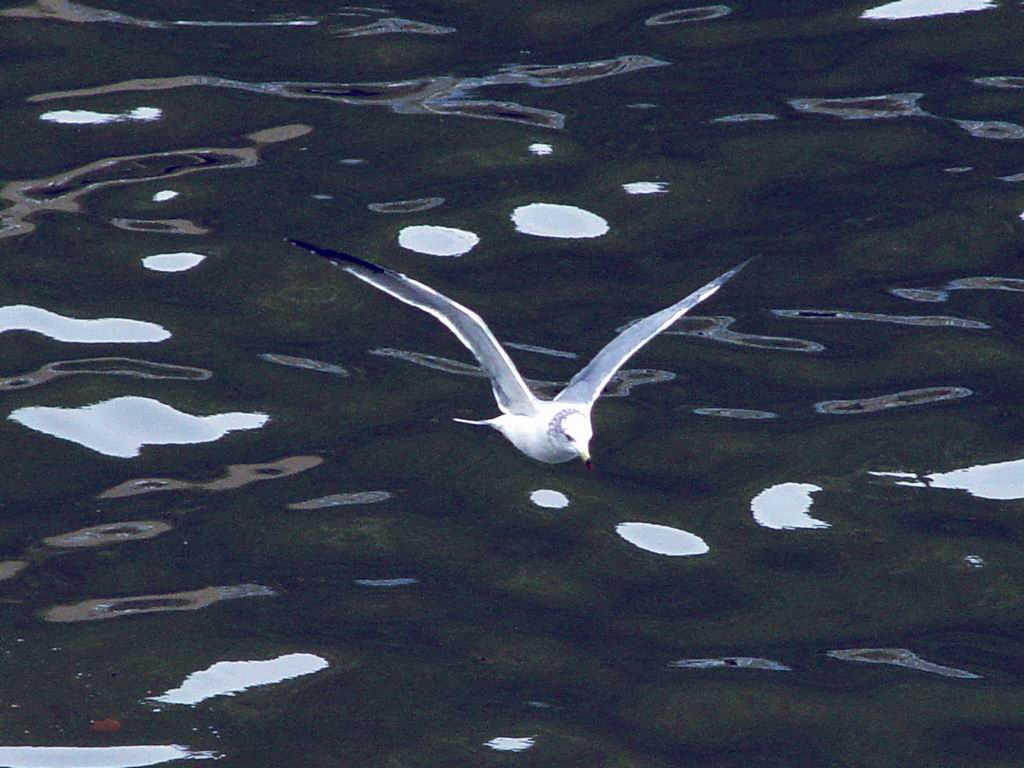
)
(553, 431)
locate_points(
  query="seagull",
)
(552, 431)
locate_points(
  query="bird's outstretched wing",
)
(586, 385)
(510, 390)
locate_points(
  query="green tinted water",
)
(456, 611)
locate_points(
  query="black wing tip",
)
(337, 256)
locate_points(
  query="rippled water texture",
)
(238, 524)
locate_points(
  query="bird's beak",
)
(585, 455)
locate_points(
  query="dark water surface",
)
(236, 519)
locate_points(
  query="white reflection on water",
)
(544, 497)
(226, 678)
(511, 743)
(402, 581)
(97, 757)
(662, 539)
(562, 221)
(22, 317)
(646, 187)
(912, 9)
(164, 195)
(120, 427)
(437, 241)
(88, 117)
(541, 149)
(1002, 481)
(172, 262)
(734, 662)
(900, 657)
(784, 507)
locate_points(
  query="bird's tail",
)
(484, 423)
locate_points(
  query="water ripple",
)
(108, 533)
(703, 13)
(446, 94)
(305, 363)
(735, 413)
(985, 283)
(105, 366)
(620, 385)
(237, 475)
(342, 500)
(116, 607)
(895, 400)
(900, 657)
(894, 105)
(62, 192)
(731, 662)
(929, 321)
(716, 328)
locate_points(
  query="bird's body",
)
(545, 436)
(552, 431)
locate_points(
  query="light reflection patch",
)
(703, 13)
(135, 756)
(11, 568)
(646, 187)
(735, 413)
(889, 105)
(437, 241)
(558, 221)
(1000, 130)
(21, 317)
(290, 361)
(746, 117)
(545, 497)
(407, 206)
(439, 95)
(342, 500)
(511, 743)
(108, 366)
(164, 195)
(718, 328)
(173, 262)
(927, 321)
(63, 191)
(104, 608)
(785, 507)
(87, 117)
(662, 539)
(913, 9)
(393, 25)
(900, 657)
(731, 662)
(108, 533)
(895, 400)
(237, 476)
(1003, 481)
(122, 426)
(541, 149)
(226, 678)
(162, 226)
(399, 582)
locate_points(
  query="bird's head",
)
(577, 432)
